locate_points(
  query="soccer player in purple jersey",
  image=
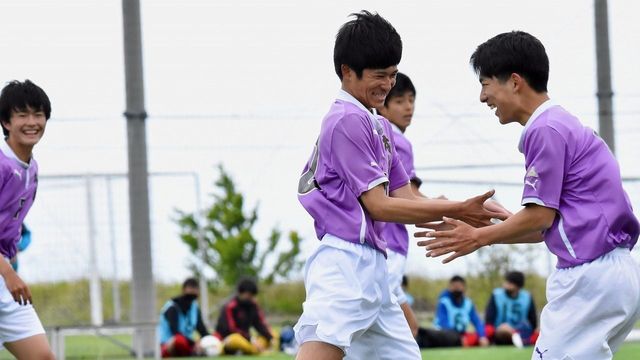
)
(24, 111)
(573, 200)
(398, 109)
(353, 182)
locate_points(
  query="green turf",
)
(89, 347)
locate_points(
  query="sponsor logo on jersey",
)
(540, 353)
(531, 179)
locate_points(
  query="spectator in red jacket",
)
(238, 316)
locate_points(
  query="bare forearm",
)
(534, 237)
(525, 226)
(5, 269)
(406, 208)
(415, 211)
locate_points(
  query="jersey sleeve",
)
(546, 154)
(353, 156)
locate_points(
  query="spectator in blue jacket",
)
(456, 311)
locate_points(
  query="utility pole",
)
(142, 287)
(605, 93)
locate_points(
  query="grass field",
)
(90, 347)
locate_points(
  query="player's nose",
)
(483, 97)
(31, 119)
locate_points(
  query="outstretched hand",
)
(450, 236)
(435, 226)
(495, 206)
(476, 214)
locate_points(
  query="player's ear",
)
(346, 71)
(517, 82)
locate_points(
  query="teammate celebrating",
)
(353, 182)
(398, 109)
(24, 111)
(573, 199)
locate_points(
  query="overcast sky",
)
(246, 83)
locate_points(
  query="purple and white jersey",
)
(18, 183)
(570, 169)
(355, 152)
(395, 234)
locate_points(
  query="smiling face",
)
(500, 95)
(25, 128)
(372, 87)
(399, 110)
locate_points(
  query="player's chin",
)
(30, 141)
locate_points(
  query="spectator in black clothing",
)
(511, 315)
(238, 316)
(179, 319)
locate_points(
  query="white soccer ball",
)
(211, 345)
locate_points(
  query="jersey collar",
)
(377, 125)
(8, 152)
(536, 114)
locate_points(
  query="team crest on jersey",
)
(387, 143)
(532, 172)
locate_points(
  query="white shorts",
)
(396, 263)
(591, 309)
(349, 304)
(17, 321)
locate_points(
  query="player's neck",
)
(22, 152)
(350, 91)
(529, 105)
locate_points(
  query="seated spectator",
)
(237, 317)
(511, 313)
(454, 313)
(180, 317)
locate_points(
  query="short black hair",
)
(247, 285)
(457, 278)
(366, 42)
(403, 85)
(18, 96)
(190, 283)
(513, 52)
(516, 278)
